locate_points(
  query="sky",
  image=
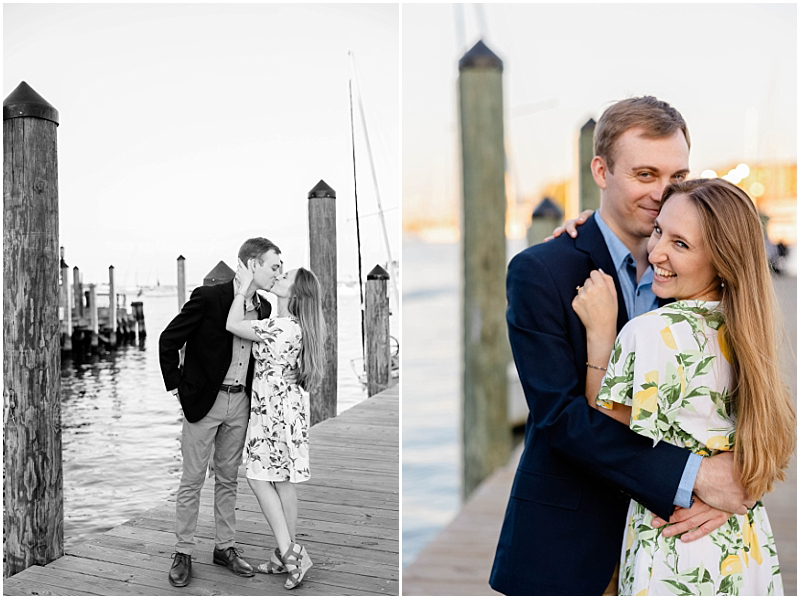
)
(187, 128)
(730, 69)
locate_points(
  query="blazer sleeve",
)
(175, 335)
(538, 324)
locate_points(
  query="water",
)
(121, 429)
(431, 388)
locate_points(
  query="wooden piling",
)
(138, 314)
(485, 429)
(589, 191)
(112, 308)
(322, 251)
(78, 291)
(379, 359)
(33, 500)
(95, 342)
(546, 217)
(66, 298)
(181, 282)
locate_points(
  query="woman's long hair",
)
(765, 427)
(305, 304)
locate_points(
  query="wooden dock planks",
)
(348, 520)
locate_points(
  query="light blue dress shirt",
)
(640, 299)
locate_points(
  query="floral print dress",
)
(671, 366)
(277, 435)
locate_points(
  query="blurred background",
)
(730, 69)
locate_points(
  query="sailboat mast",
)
(358, 226)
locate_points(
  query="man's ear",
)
(599, 171)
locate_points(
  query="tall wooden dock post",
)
(181, 282)
(485, 428)
(546, 217)
(33, 496)
(66, 298)
(112, 308)
(379, 359)
(95, 321)
(322, 251)
(78, 292)
(589, 191)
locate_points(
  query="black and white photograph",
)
(201, 283)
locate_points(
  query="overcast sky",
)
(731, 69)
(187, 128)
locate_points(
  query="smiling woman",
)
(700, 373)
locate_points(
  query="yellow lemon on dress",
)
(719, 442)
(642, 593)
(722, 339)
(646, 399)
(755, 549)
(730, 565)
(682, 377)
(651, 377)
(668, 339)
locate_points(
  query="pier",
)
(459, 559)
(348, 521)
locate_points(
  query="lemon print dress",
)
(670, 365)
(277, 435)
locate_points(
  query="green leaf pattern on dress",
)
(277, 435)
(669, 366)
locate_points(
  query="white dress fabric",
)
(671, 366)
(277, 436)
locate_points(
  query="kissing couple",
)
(646, 347)
(241, 387)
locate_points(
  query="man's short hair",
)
(657, 118)
(256, 248)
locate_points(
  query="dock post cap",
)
(378, 273)
(479, 56)
(25, 102)
(590, 124)
(322, 190)
(110, 267)
(547, 209)
(221, 273)
(181, 257)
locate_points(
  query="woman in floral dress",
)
(277, 435)
(700, 373)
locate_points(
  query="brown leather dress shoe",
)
(230, 558)
(180, 574)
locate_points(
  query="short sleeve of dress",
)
(644, 372)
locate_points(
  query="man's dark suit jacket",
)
(209, 348)
(565, 519)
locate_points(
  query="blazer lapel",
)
(590, 240)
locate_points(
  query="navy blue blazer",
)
(565, 518)
(209, 349)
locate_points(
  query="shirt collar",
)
(619, 252)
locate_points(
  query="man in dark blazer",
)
(213, 387)
(564, 522)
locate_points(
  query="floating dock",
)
(348, 521)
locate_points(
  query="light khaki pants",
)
(225, 429)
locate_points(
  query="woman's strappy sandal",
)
(297, 563)
(274, 565)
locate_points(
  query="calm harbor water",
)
(121, 429)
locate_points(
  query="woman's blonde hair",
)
(305, 304)
(765, 428)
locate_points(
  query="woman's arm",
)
(236, 322)
(596, 306)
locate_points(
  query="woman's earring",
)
(722, 284)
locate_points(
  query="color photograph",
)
(611, 411)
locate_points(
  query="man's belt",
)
(231, 388)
